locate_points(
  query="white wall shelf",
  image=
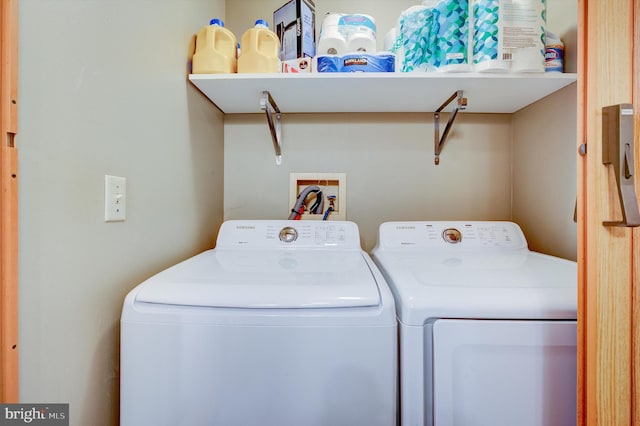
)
(377, 92)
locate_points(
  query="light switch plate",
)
(115, 198)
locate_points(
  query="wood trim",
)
(8, 202)
(605, 307)
(581, 213)
(635, 279)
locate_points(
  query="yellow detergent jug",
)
(216, 50)
(259, 50)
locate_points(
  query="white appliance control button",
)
(288, 234)
(452, 235)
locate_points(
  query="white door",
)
(504, 373)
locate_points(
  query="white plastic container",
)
(260, 47)
(215, 51)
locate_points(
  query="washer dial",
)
(452, 235)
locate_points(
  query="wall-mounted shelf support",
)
(439, 141)
(618, 150)
(268, 105)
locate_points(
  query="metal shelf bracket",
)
(439, 141)
(268, 105)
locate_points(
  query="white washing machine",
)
(487, 327)
(283, 323)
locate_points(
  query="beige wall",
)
(490, 170)
(388, 159)
(102, 90)
(544, 173)
(545, 153)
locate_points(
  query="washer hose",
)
(300, 204)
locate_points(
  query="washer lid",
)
(266, 279)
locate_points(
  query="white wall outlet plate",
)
(115, 198)
(332, 185)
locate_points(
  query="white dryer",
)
(487, 327)
(283, 323)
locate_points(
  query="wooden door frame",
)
(8, 202)
(607, 319)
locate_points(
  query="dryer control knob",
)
(452, 235)
(288, 234)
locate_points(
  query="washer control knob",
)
(452, 235)
(288, 234)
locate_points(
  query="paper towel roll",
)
(528, 59)
(523, 34)
(453, 36)
(417, 39)
(390, 39)
(487, 45)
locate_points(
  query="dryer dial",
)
(288, 234)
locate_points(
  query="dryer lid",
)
(266, 279)
(515, 285)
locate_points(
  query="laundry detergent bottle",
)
(260, 48)
(216, 50)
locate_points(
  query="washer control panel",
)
(288, 233)
(485, 235)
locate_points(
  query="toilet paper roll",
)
(360, 32)
(332, 42)
(362, 41)
(330, 20)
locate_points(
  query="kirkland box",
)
(355, 62)
(295, 25)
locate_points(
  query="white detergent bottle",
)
(215, 51)
(260, 48)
